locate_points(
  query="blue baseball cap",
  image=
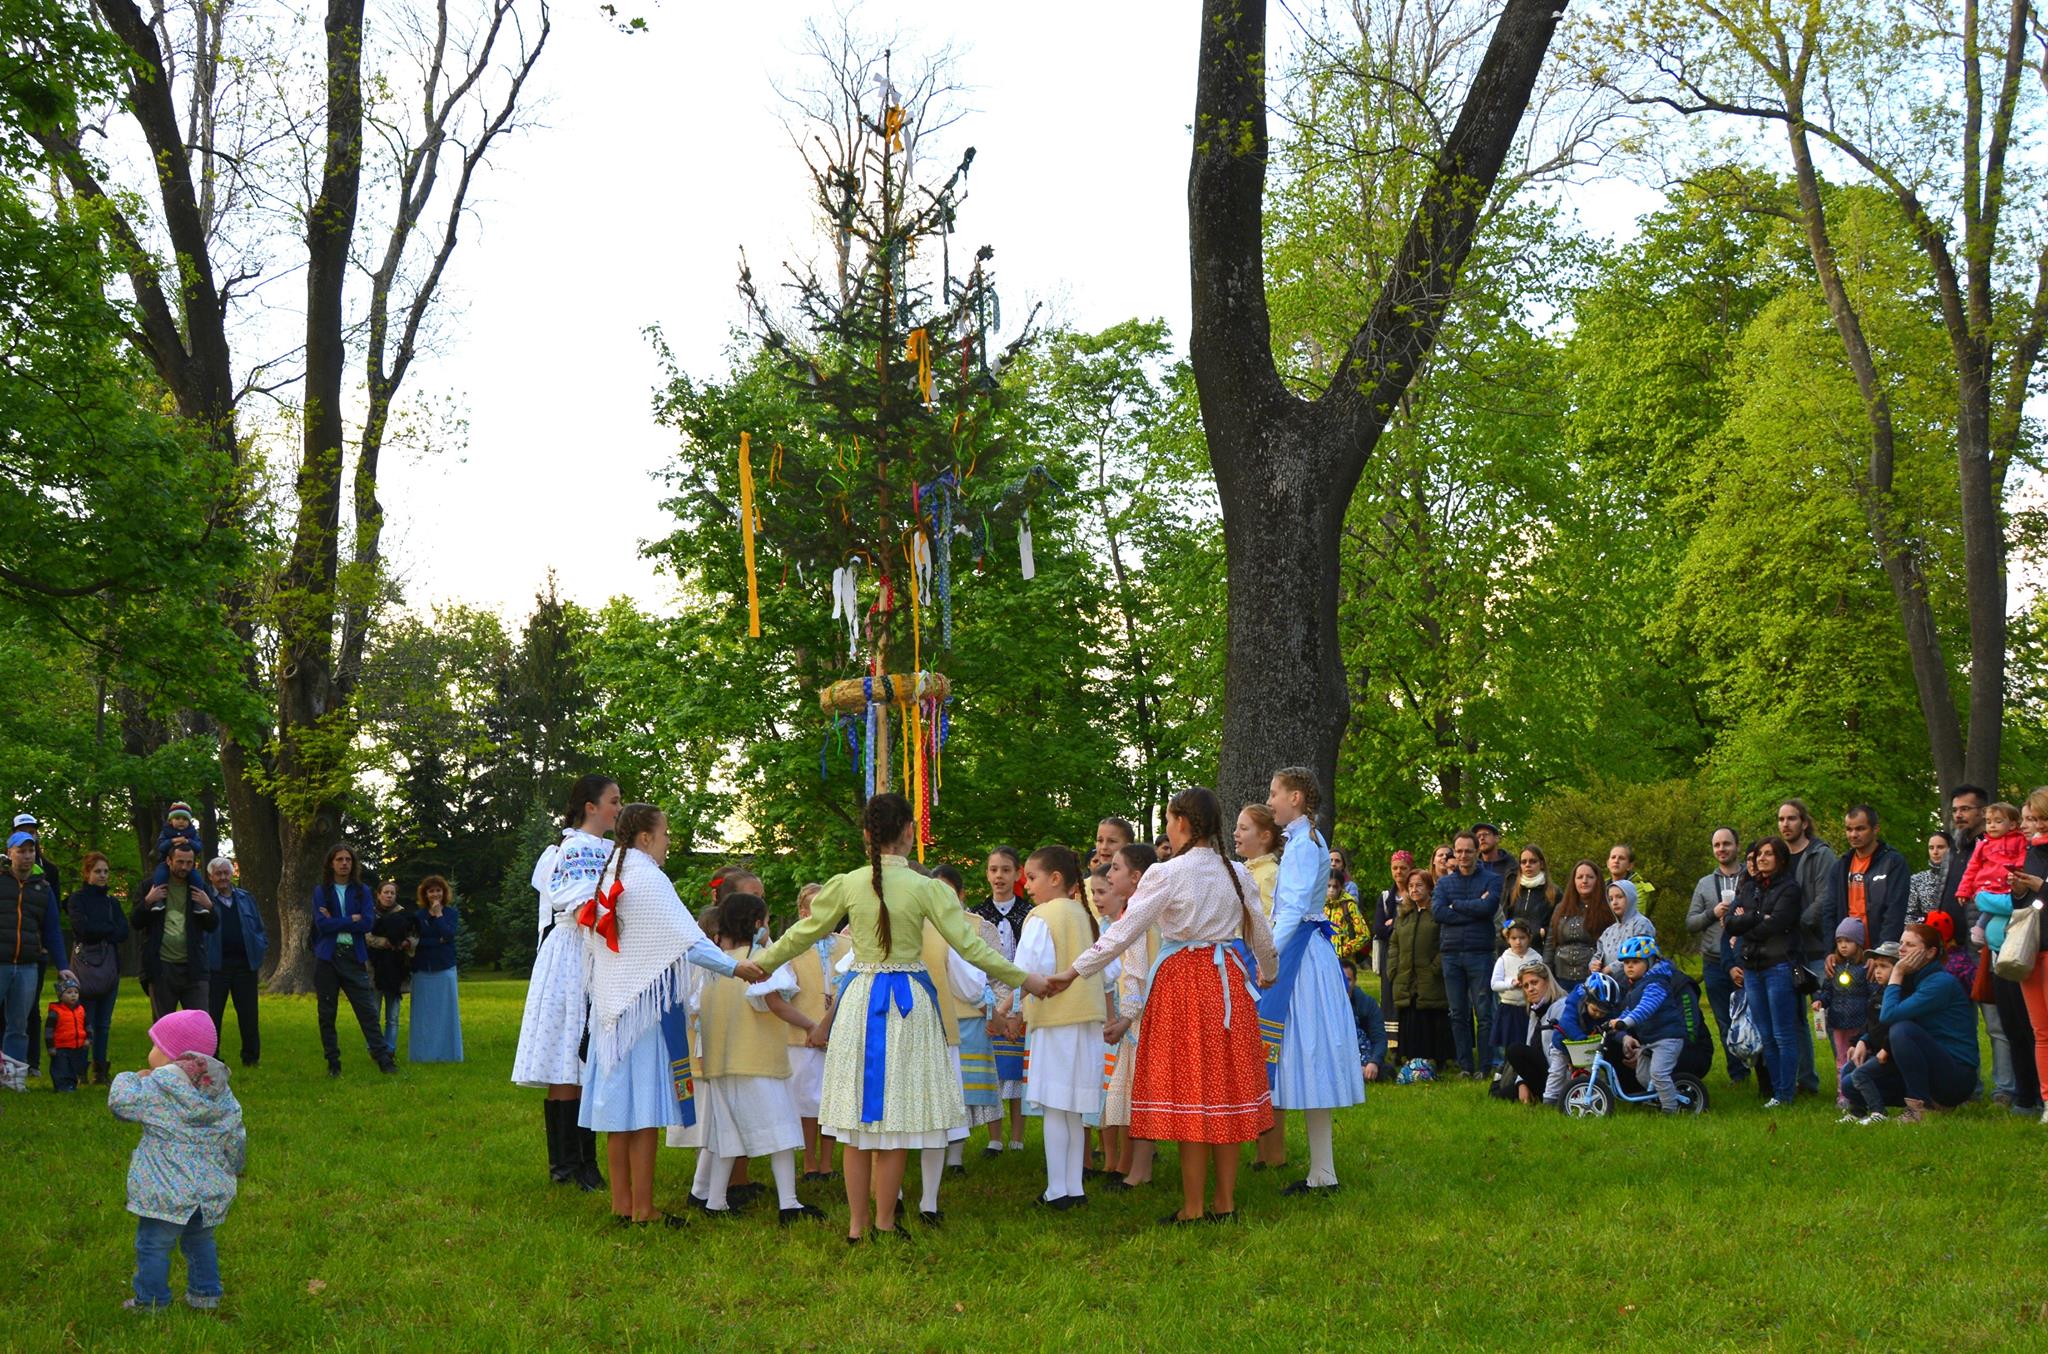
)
(19, 839)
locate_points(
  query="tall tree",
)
(1940, 111)
(287, 775)
(1286, 465)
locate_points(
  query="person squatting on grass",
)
(181, 1179)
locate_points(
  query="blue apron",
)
(675, 1031)
(1277, 999)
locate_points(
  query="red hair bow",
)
(601, 914)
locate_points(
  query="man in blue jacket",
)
(235, 950)
(1464, 906)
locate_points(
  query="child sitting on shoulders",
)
(178, 826)
(182, 1176)
(1845, 998)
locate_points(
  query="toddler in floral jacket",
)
(182, 1177)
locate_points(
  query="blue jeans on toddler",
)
(154, 1239)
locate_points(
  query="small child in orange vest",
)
(1064, 1073)
(65, 1035)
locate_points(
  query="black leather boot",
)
(587, 1176)
(561, 1145)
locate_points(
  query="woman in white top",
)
(550, 1049)
(1201, 1073)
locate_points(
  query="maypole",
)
(895, 446)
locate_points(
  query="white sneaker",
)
(2044, 1114)
(1776, 1104)
(1850, 1117)
(1874, 1117)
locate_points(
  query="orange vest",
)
(70, 1032)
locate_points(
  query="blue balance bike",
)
(1595, 1087)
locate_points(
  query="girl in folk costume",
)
(1307, 1012)
(888, 1084)
(814, 987)
(552, 1029)
(1258, 845)
(638, 939)
(748, 1108)
(1130, 1161)
(1064, 1076)
(1201, 1068)
(1005, 911)
(977, 1058)
(1112, 835)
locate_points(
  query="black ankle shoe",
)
(1302, 1187)
(931, 1219)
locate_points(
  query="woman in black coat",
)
(1763, 928)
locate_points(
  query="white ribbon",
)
(1025, 561)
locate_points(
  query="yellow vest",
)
(814, 982)
(739, 1041)
(1081, 1003)
(935, 951)
(1265, 871)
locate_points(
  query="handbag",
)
(1980, 985)
(1745, 1040)
(98, 967)
(2021, 946)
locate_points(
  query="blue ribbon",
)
(887, 989)
(675, 1033)
(1276, 1000)
(1217, 950)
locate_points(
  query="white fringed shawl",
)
(630, 990)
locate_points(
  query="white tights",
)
(1066, 1153)
(782, 1164)
(1322, 1154)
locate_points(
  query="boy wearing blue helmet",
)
(1652, 1018)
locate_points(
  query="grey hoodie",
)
(1631, 922)
(193, 1143)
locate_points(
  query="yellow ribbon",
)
(747, 532)
(892, 127)
(919, 350)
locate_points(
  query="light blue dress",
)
(638, 1092)
(1319, 1067)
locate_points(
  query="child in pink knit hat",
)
(182, 1177)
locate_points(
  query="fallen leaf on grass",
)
(960, 1307)
(316, 1285)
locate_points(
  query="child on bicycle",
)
(1651, 1019)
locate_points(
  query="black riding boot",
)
(587, 1175)
(561, 1143)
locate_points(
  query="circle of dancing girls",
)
(1201, 1073)
(1305, 1017)
(639, 938)
(889, 1085)
(551, 1030)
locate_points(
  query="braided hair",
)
(635, 821)
(883, 820)
(1199, 808)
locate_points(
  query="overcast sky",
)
(661, 156)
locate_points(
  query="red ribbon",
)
(601, 914)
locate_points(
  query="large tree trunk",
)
(312, 711)
(1281, 521)
(1285, 467)
(1901, 562)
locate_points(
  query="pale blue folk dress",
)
(1319, 1067)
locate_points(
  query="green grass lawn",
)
(412, 1211)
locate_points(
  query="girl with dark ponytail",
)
(551, 1032)
(1200, 1078)
(889, 1084)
